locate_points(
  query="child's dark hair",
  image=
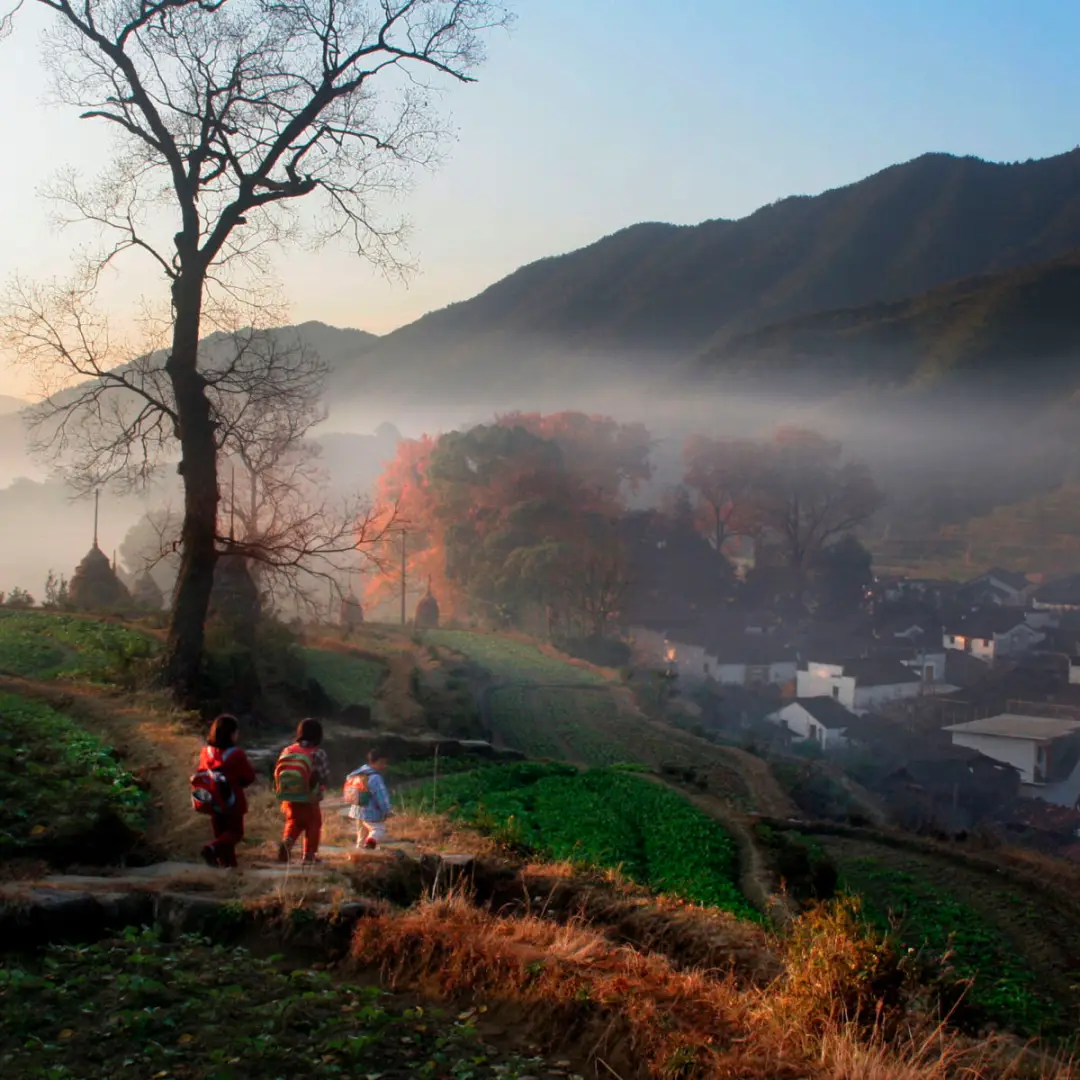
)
(377, 753)
(223, 732)
(309, 730)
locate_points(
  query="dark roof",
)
(942, 773)
(985, 624)
(879, 671)
(1065, 590)
(749, 649)
(1013, 578)
(827, 712)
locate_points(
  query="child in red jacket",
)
(221, 754)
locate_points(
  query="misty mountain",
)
(9, 404)
(1015, 333)
(655, 294)
(339, 349)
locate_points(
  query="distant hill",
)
(339, 349)
(9, 404)
(654, 294)
(1016, 332)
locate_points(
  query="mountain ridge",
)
(958, 336)
(655, 294)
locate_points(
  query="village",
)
(957, 703)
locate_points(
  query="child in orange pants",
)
(303, 821)
(301, 777)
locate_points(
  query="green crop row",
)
(142, 1007)
(349, 680)
(42, 645)
(60, 786)
(1003, 986)
(511, 660)
(604, 817)
(514, 722)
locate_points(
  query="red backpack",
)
(211, 792)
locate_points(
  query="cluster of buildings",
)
(961, 700)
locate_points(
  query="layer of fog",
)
(976, 454)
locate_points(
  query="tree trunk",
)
(198, 469)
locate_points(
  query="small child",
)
(221, 756)
(305, 767)
(373, 808)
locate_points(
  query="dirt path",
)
(756, 879)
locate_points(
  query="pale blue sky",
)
(594, 114)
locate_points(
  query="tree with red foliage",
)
(504, 525)
(724, 477)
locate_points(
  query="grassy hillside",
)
(656, 290)
(1014, 332)
(536, 968)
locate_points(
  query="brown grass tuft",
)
(635, 1015)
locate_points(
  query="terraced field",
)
(513, 661)
(45, 645)
(554, 709)
(347, 678)
(1021, 953)
(63, 792)
(604, 817)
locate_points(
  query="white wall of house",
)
(1017, 640)
(1021, 753)
(1074, 673)
(799, 722)
(826, 680)
(981, 648)
(930, 667)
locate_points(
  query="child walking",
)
(301, 776)
(365, 790)
(218, 789)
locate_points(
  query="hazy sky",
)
(594, 114)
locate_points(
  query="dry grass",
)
(635, 1014)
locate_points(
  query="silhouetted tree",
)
(228, 114)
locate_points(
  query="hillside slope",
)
(1018, 331)
(655, 292)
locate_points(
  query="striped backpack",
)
(293, 775)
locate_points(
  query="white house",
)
(1040, 747)
(989, 635)
(820, 719)
(859, 685)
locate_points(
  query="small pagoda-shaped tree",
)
(148, 594)
(427, 611)
(352, 612)
(95, 585)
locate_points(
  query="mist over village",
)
(539, 543)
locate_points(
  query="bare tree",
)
(810, 497)
(227, 114)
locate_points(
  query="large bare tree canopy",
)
(227, 112)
